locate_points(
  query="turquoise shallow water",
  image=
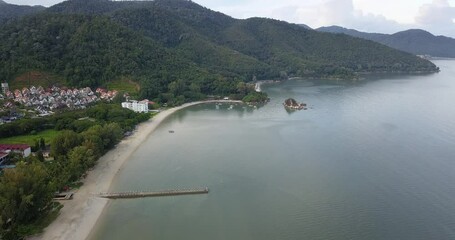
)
(373, 159)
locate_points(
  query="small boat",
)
(171, 131)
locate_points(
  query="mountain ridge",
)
(10, 11)
(415, 41)
(188, 50)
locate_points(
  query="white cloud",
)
(387, 16)
(402, 11)
(46, 3)
(344, 13)
(438, 16)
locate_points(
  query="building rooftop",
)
(13, 147)
(3, 154)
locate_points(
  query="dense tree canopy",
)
(177, 51)
(26, 192)
(11, 11)
(76, 120)
(415, 41)
(167, 42)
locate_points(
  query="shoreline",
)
(79, 216)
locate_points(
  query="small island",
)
(256, 98)
(292, 104)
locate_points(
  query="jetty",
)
(144, 194)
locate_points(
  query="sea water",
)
(369, 159)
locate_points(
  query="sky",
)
(383, 16)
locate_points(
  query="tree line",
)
(77, 120)
(179, 51)
(26, 191)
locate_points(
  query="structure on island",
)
(292, 104)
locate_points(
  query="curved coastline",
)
(79, 216)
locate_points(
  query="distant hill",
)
(414, 41)
(10, 11)
(177, 49)
(353, 32)
(209, 38)
(305, 26)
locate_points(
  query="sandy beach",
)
(79, 215)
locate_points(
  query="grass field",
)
(48, 135)
(124, 85)
(36, 79)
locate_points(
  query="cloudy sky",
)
(385, 16)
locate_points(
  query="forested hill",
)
(178, 49)
(414, 41)
(9, 11)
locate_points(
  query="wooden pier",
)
(144, 194)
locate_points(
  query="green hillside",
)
(163, 26)
(91, 51)
(283, 47)
(415, 41)
(305, 51)
(178, 50)
(11, 11)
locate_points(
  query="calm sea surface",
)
(369, 160)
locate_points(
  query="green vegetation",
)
(30, 139)
(77, 139)
(75, 152)
(256, 97)
(10, 11)
(42, 221)
(25, 196)
(178, 51)
(77, 121)
(124, 85)
(175, 50)
(415, 41)
(38, 79)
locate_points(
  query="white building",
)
(142, 106)
(5, 88)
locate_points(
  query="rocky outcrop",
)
(291, 103)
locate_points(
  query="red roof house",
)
(23, 149)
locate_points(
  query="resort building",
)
(23, 149)
(141, 106)
(5, 88)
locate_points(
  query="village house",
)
(9, 95)
(45, 101)
(22, 149)
(55, 97)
